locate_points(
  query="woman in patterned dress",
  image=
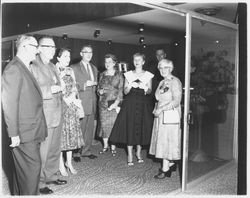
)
(71, 132)
(110, 91)
(166, 138)
(133, 126)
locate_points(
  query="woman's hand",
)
(157, 112)
(113, 106)
(101, 91)
(143, 86)
(134, 84)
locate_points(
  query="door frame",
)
(189, 16)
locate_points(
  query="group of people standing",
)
(50, 109)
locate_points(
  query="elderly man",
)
(86, 79)
(22, 104)
(46, 74)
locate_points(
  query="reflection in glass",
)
(212, 97)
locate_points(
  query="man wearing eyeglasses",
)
(46, 74)
(86, 79)
(22, 104)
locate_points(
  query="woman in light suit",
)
(166, 138)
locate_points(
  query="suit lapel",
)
(93, 71)
(82, 68)
(30, 75)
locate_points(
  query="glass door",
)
(209, 77)
(212, 112)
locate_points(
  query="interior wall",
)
(123, 52)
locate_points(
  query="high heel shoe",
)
(104, 150)
(173, 168)
(71, 169)
(63, 172)
(139, 159)
(113, 151)
(162, 174)
(130, 161)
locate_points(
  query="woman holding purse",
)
(72, 112)
(166, 134)
(110, 91)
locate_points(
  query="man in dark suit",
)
(159, 54)
(86, 79)
(47, 77)
(22, 104)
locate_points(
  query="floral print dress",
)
(71, 131)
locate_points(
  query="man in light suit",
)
(86, 79)
(47, 77)
(22, 104)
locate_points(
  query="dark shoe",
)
(162, 174)
(57, 182)
(45, 191)
(173, 168)
(77, 159)
(90, 156)
(104, 150)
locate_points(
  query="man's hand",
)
(90, 83)
(55, 89)
(15, 141)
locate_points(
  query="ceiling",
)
(160, 26)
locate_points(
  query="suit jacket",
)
(22, 103)
(88, 94)
(46, 76)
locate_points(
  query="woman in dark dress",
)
(133, 125)
(110, 91)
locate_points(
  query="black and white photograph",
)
(124, 98)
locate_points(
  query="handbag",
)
(171, 116)
(80, 110)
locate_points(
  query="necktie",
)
(30, 68)
(88, 71)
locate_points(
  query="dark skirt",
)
(134, 122)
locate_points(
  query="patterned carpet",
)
(108, 175)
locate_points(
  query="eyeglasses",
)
(165, 67)
(87, 52)
(54, 47)
(33, 45)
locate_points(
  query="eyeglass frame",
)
(36, 46)
(54, 47)
(87, 52)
